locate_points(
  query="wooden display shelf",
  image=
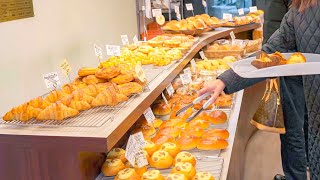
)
(40, 152)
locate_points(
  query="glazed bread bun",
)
(158, 140)
(127, 174)
(199, 105)
(111, 167)
(117, 153)
(212, 143)
(219, 133)
(224, 101)
(185, 156)
(171, 148)
(161, 160)
(177, 122)
(217, 117)
(205, 16)
(176, 176)
(198, 123)
(192, 131)
(152, 175)
(203, 116)
(199, 24)
(161, 109)
(203, 176)
(150, 147)
(157, 123)
(185, 168)
(296, 58)
(172, 131)
(187, 142)
(140, 171)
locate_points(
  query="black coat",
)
(299, 32)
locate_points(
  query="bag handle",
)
(269, 86)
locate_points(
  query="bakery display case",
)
(67, 133)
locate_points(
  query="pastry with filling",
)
(185, 156)
(266, 61)
(185, 168)
(150, 147)
(127, 174)
(203, 176)
(111, 167)
(161, 160)
(296, 58)
(152, 175)
(176, 176)
(171, 148)
(117, 153)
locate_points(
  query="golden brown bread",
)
(188, 142)
(218, 133)
(296, 57)
(212, 143)
(23, 112)
(161, 160)
(266, 61)
(108, 97)
(108, 72)
(123, 78)
(92, 79)
(217, 117)
(57, 111)
(127, 174)
(111, 167)
(86, 71)
(55, 96)
(185, 168)
(130, 88)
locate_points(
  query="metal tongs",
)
(205, 106)
(196, 101)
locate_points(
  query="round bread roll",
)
(187, 142)
(212, 143)
(140, 171)
(127, 174)
(172, 131)
(161, 139)
(150, 147)
(176, 176)
(185, 156)
(192, 131)
(203, 116)
(111, 167)
(219, 133)
(295, 58)
(161, 109)
(171, 148)
(217, 117)
(157, 123)
(199, 24)
(152, 175)
(117, 153)
(203, 176)
(175, 122)
(185, 168)
(199, 123)
(161, 160)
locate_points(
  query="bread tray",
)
(244, 68)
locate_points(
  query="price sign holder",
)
(233, 37)
(189, 7)
(156, 12)
(65, 68)
(241, 11)
(193, 65)
(125, 40)
(253, 9)
(185, 79)
(164, 98)
(113, 50)
(141, 159)
(187, 71)
(135, 40)
(148, 114)
(51, 80)
(227, 16)
(98, 52)
(170, 90)
(140, 73)
(202, 55)
(135, 143)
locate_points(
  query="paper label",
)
(178, 17)
(177, 9)
(141, 159)
(98, 51)
(143, 8)
(170, 89)
(202, 55)
(51, 80)
(185, 79)
(241, 11)
(189, 7)
(148, 9)
(113, 50)
(187, 71)
(65, 67)
(253, 9)
(140, 73)
(135, 40)
(135, 143)
(227, 16)
(164, 98)
(148, 114)
(233, 37)
(156, 12)
(125, 40)
(193, 65)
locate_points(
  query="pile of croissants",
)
(106, 86)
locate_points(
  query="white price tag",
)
(187, 71)
(178, 17)
(65, 67)
(140, 73)
(135, 143)
(185, 79)
(51, 80)
(253, 9)
(113, 50)
(164, 98)
(135, 40)
(233, 37)
(227, 16)
(148, 9)
(98, 51)
(170, 89)
(202, 55)
(156, 12)
(141, 159)
(125, 40)
(193, 65)
(189, 7)
(177, 9)
(143, 8)
(148, 114)
(241, 11)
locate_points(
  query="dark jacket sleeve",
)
(283, 40)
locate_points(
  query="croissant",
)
(54, 96)
(92, 79)
(123, 78)
(108, 72)
(91, 90)
(57, 111)
(38, 103)
(79, 105)
(104, 86)
(23, 112)
(68, 88)
(121, 98)
(105, 98)
(85, 71)
(130, 88)
(80, 95)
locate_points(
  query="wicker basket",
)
(224, 53)
(254, 45)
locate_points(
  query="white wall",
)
(61, 28)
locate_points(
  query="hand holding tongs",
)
(205, 106)
(196, 101)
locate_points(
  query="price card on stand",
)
(125, 40)
(177, 9)
(233, 37)
(187, 71)
(65, 67)
(98, 51)
(148, 9)
(51, 80)
(178, 17)
(253, 9)
(227, 16)
(148, 114)
(113, 50)
(156, 12)
(135, 144)
(141, 159)
(202, 55)
(164, 98)
(189, 7)
(241, 11)
(185, 79)
(170, 89)
(135, 40)
(140, 73)
(193, 65)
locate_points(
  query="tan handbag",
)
(269, 116)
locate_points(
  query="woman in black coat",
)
(299, 32)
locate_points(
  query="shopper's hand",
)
(216, 87)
